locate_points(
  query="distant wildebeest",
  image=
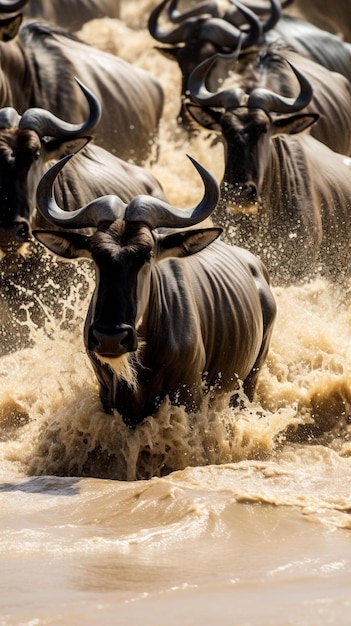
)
(38, 65)
(72, 14)
(284, 194)
(270, 68)
(159, 324)
(30, 143)
(196, 37)
(298, 15)
(200, 35)
(299, 34)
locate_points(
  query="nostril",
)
(127, 337)
(251, 191)
(112, 344)
(22, 230)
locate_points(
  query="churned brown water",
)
(223, 517)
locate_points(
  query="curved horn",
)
(217, 31)
(272, 102)
(9, 118)
(106, 208)
(147, 209)
(174, 36)
(206, 27)
(187, 30)
(156, 213)
(12, 7)
(228, 98)
(45, 123)
(176, 16)
(274, 17)
(254, 34)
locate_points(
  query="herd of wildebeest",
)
(183, 304)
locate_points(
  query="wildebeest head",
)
(198, 34)
(27, 144)
(247, 122)
(125, 247)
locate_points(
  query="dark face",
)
(18, 151)
(122, 255)
(247, 134)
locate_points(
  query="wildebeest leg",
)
(269, 311)
(250, 382)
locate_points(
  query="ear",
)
(294, 124)
(9, 27)
(58, 148)
(204, 116)
(185, 242)
(66, 245)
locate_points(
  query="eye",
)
(35, 154)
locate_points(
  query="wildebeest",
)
(300, 35)
(162, 322)
(38, 64)
(200, 35)
(284, 194)
(270, 68)
(72, 14)
(258, 63)
(31, 142)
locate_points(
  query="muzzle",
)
(112, 345)
(14, 236)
